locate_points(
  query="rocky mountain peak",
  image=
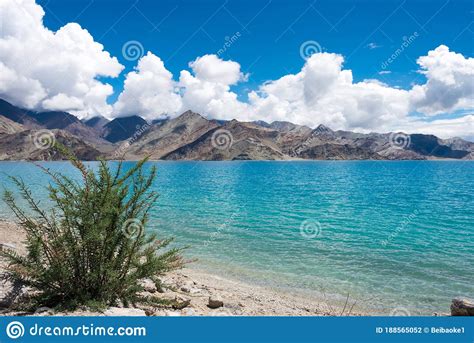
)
(97, 122)
(322, 129)
(190, 136)
(190, 115)
(123, 128)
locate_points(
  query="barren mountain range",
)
(28, 135)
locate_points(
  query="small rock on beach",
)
(215, 302)
(462, 307)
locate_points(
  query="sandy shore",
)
(195, 288)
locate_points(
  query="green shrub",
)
(90, 249)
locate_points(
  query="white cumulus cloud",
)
(48, 70)
(450, 82)
(323, 92)
(208, 90)
(212, 69)
(149, 91)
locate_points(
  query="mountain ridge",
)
(191, 136)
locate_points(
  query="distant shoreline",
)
(191, 136)
(282, 161)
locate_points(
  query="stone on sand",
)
(215, 302)
(462, 307)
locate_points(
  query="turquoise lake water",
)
(391, 235)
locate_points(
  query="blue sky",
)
(364, 65)
(365, 32)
